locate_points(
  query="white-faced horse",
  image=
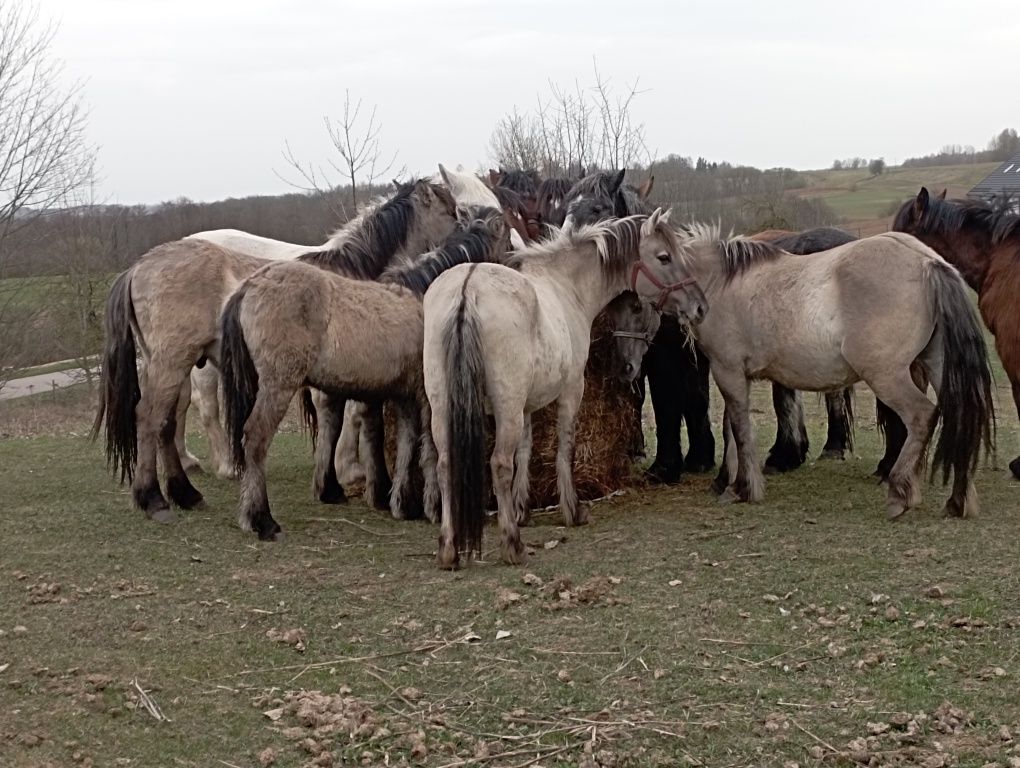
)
(516, 338)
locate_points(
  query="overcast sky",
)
(197, 98)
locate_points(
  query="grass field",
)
(671, 631)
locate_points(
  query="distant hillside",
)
(864, 202)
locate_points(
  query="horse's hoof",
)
(352, 473)
(1014, 467)
(448, 559)
(166, 516)
(514, 554)
(952, 509)
(276, 534)
(182, 492)
(332, 496)
(228, 473)
(581, 516)
(699, 467)
(832, 454)
(894, 510)
(729, 496)
(659, 474)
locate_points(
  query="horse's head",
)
(662, 273)
(524, 183)
(435, 210)
(915, 215)
(635, 323)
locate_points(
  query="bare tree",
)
(45, 156)
(355, 138)
(573, 129)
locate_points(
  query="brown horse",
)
(983, 243)
(168, 304)
(290, 325)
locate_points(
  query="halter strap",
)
(645, 337)
(664, 290)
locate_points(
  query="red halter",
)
(664, 290)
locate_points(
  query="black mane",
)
(478, 241)
(523, 182)
(371, 247)
(955, 217)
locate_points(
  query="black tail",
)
(965, 409)
(846, 419)
(119, 392)
(465, 405)
(240, 379)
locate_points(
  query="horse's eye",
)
(663, 258)
(636, 309)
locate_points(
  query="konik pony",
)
(881, 310)
(516, 338)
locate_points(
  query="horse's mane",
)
(509, 200)
(520, 181)
(372, 242)
(738, 254)
(954, 217)
(552, 195)
(615, 242)
(474, 242)
(595, 183)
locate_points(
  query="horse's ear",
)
(921, 203)
(615, 185)
(649, 224)
(445, 174)
(645, 187)
(942, 194)
(396, 183)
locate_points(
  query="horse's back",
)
(252, 245)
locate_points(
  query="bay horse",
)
(290, 325)
(983, 242)
(878, 310)
(167, 305)
(524, 183)
(676, 369)
(515, 338)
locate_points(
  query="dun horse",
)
(984, 244)
(516, 338)
(168, 306)
(360, 340)
(879, 310)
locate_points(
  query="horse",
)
(676, 369)
(469, 190)
(790, 448)
(525, 184)
(553, 194)
(879, 310)
(516, 337)
(363, 340)
(168, 305)
(982, 241)
(634, 322)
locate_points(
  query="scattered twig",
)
(624, 665)
(427, 648)
(351, 523)
(727, 532)
(741, 642)
(150, 705)
(825, 744)
(389, 687)
(780, 655)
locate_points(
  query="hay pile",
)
(607, 436)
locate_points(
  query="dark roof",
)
(1004, 180)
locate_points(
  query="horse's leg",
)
(839, 410)
(1014, 466)
(189, 460)
(178, 486)
(404, 502)
(509, 430)
(329, 414)
(270, 407)
(901, 394)
(637, 448)
(695, 404)
(791, 446)
(891, 425)
(522, 475)
(448, 557)
(350, 469)
(663, 366)
(566, 424)
(155, 408)
(427, 460)
(377, 477)
(747, 484)
(728, 466)
(205, 383)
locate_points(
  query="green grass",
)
(856, 195)
(741, 635)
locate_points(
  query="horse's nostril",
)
(628, 368)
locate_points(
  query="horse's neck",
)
(970, 253)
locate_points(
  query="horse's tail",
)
(465, 413)
(846, 417)
(240, 379)
(119, 391)
(965, 409)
